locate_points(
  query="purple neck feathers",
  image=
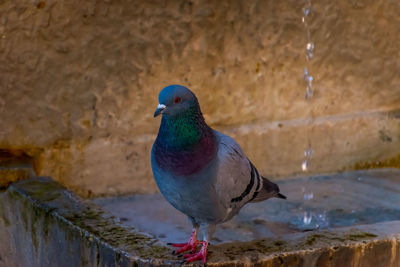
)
(184, 146)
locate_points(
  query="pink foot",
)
(190, 245)
(201, 255)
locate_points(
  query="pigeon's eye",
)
(177, 99)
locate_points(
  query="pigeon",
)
(200, 171)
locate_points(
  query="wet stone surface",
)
(331, 201)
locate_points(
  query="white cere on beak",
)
(159, 110)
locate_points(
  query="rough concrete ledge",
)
(43, 224)
(46, 225)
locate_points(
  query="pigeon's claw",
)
(190, 245)
(201, 255)
(186, 247)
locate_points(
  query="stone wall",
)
(79, 83)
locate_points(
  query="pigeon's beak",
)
(159, 110)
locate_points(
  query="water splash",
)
(312, 217)
(307, 217)
(315, 220)
(321, 220)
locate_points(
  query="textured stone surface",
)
(41, 223)
(78, 82)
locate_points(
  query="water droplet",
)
(309, 196)
(308, 153)
(307, 217)
(309, 93)
(322, 216)
(304, 166)
(309, 50)
(321, 220)
(359, 179)
(308, 79)
(306, 11)
(305, 73)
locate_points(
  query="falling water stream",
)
(308, 152)
(312, 218)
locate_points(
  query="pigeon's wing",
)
(238, 181)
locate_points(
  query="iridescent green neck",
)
(183, 131)
(185, 144)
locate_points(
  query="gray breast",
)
(194, 195)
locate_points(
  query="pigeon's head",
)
(175, 100)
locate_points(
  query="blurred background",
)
(79, 82)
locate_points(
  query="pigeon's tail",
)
(268, 190)
(279, 195)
